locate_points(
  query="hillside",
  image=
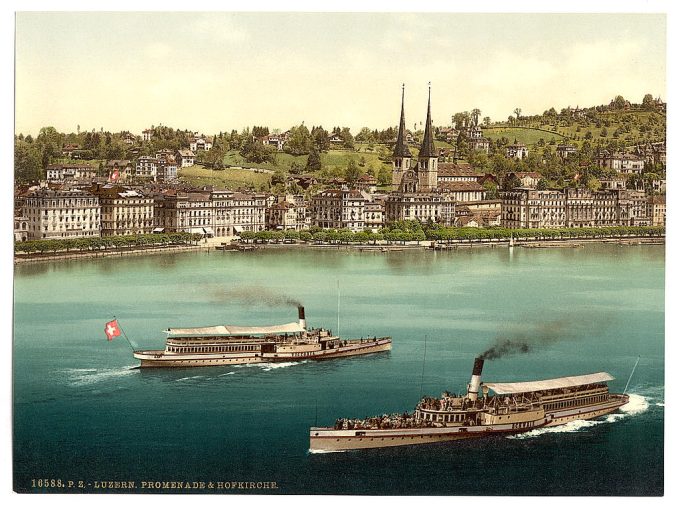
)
(625, 127)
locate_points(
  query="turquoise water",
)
(81, 413)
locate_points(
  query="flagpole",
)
(124, 334)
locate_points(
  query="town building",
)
(249, 212)
(524, 208)
(147, 135)
(476, 140)
(656, 210)
(119, 170)
(58, 214)
(166, 168)
(200, 143)
(565, 150)
(288, 212)
(304, 181)
(69, 149)
(276, 140)
(460, 171)
(20, 228)
(526, 179)
(180, 211)
(70, 172)
(124, 211)
(464, 191)
(185, 158)
(339, 209)
(146, 168)
(374, 215)
(652, 152)
(626, 163)
(516, 150)
(615, 182)
(367, 183)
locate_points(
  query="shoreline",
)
(215, 244)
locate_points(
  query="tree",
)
(258, 153)
(511, 182)
(648, 102)
(320, 138)
(299, 141)
(278, 177)
(296, 168)
(487, 121)
(518, 112)
(260, 131)
(313, 160)
(491, 190)
(384, 176)
(27, 161)
(619, 102)
(347, 138)
(352, 172)
(49, 144)
(365, 135)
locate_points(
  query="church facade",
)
(416, 194)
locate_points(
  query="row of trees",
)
(403, 232)
(106, 242)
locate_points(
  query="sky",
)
(213, 72)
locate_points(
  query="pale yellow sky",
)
(215, 72)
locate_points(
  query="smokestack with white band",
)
(301, 317)
(473, 386)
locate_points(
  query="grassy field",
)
(230, 179)
(629, 124)
(526, 136)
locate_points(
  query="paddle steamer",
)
(228, 344)
(512, 408)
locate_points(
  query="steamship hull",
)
(222, 345)
(161, 358)
(332, 440)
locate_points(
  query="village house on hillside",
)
(516, 150)
(626, 163)
(185, 157)
(200, 143)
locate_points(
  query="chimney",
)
(473, 386)
(301, 317)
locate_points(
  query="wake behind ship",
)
(228, 344)
(513, 408)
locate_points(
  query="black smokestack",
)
(301, 317)
(476, 379)
(477, 368)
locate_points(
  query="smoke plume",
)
(254, 296)
(539, 336)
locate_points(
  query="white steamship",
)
(512, 408)
(229, 344)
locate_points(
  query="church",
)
(416, 194)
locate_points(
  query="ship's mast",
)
(631, 374)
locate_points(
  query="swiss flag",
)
(114, 175)
(112, 330)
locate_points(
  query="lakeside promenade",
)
(230, 243)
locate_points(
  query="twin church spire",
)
(426, 172)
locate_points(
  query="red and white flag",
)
(114, 175)
(112, 330)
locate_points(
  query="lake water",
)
(82, 413)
